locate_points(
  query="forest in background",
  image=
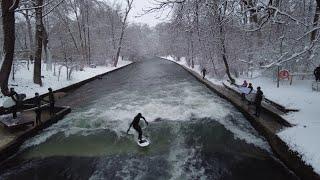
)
(70, 33)
(234, 37)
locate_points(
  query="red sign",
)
(284, 74)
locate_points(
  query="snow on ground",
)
(23, 82)
(302, 138)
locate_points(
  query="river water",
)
(194, 133)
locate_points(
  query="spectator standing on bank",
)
(258, 101)
(37, 103)
(316, 73)
(14, 97)
(250, 87)
(204, 72)
(51, 101)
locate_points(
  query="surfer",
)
(136, 126)
(13, 95)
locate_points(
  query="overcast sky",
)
(150, 19)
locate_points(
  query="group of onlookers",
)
(248, 86)
(258, 96)
(37, 103)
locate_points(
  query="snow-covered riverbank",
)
(23, 82)
(303, 137)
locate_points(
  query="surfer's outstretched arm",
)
(129, 128)
(145, 120)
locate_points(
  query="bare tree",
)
(39, 42)
(8, 20)
(123, 28)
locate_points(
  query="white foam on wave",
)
(181, 158)
(40, 138)
(180, 101)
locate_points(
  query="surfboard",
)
(145, 143)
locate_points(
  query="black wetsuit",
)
(136, 126)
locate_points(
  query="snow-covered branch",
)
(37, 7)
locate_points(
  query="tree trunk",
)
(88, 33)
(224, 57)
(315, 21)
(8, 25)
(84, 29)
(39, 41)
(47, 54)
(119, 47)
(253, 13)
(79, 25)
(123, 28)
(30, 37)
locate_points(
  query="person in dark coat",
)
(136, 126)
(316, 73)
(257, 101)
(51, 101)
(204, 72)
(250, 87)
(14, 97)
(37, 103)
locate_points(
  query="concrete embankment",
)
(268, 124)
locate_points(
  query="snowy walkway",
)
(23, 82)
(303, 137)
